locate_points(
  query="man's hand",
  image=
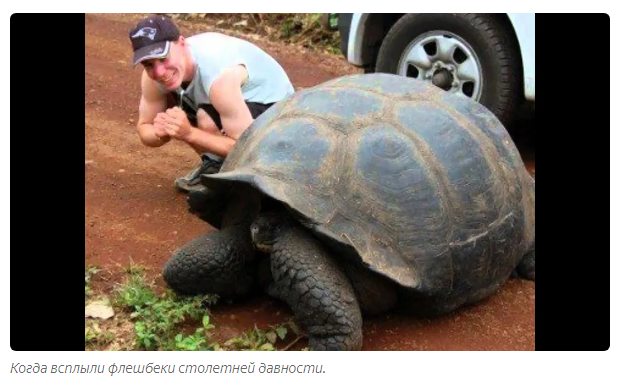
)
(159, 125)
(175, 123)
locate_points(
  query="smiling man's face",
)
(168, 71)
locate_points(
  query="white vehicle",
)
(487, 57)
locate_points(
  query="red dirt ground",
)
(133, 213)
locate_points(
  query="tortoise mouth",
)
(263, 247)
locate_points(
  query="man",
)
(204, 90)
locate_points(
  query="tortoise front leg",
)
(222, 262)
(312, 283)
(218, 263)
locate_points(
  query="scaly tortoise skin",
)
(395, 194)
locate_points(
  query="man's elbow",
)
(234, 129)
(142, 134)
(149, 143)
(148, 138)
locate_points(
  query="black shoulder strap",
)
(187, 107)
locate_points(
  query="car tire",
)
(494, 46)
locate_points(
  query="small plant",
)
(260, 340)
(197, 341)
(94, 336)
(89, 272)
(158, 318)
(166, 321)
(333, 21)
(135, 293)
(306, 30)
(134, 269)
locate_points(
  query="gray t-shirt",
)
(214, 52)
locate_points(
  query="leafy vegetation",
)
(89, 272)
(308, 30)
(146, 320)
(158, 319)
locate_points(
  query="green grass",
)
(96, 337)
(258, 340)
(303, 29)
(89, 272)
(159, 319)
(146, 320)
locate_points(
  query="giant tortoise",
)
(367, 193)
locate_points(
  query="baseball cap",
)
(151, 38)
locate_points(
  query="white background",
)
(382, 368)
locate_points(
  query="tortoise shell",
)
(422, 186)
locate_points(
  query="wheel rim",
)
(446, 60)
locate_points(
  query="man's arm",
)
(152, 102)
(226, 96)
(214, 143)
(177, 125)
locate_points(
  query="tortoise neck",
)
(242, 208)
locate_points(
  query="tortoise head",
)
(268, 227)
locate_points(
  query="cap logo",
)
(148, 32)
(157, 50)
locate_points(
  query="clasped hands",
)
(172, 123)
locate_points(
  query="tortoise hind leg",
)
(375, 294)
(526, 267)
(314, 286)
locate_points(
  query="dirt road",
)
(132, 211)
